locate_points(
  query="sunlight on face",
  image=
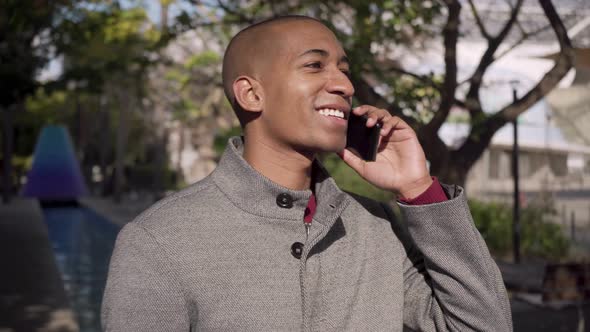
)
(308, 92)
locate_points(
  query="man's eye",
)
(315, 65)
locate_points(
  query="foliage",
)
(378, 35)
(190, 85)
(26, 29)
(372, 34)
(539, 237)
(375, 33)
(101, 44)
(116, 55)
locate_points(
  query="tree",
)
(26, 29)
(371, 30)
(108, 51)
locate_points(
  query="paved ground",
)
(32, 295)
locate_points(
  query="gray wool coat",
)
(218, 256)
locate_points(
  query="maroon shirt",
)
(434, 194)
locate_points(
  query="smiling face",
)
(306, 89)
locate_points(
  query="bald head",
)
(253, 50)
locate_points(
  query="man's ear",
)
(248, 94)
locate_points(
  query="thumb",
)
(352, 160)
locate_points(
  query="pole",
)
(516, 213)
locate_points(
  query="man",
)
(268, 242)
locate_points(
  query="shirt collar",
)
(256, 194)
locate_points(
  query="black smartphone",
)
(361, 140)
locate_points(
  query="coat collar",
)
(256, 194)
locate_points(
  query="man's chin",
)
(324, 145)
(334, 147)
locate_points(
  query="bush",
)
(539, 237)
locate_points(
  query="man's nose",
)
(340, 84)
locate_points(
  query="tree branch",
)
(517, 23)
(366, 94)
(562, 65)
(525, 36)
(237, 13)
(461, 104)
(451, 35)
(422, 78)
(484, 128)
(479, 22)
(487, 59)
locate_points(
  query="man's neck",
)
(289, 169)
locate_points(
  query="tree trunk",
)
(181, 143)
(454, 170)
(121, 146)
(161, 169)
(454, 175)
(105, 144)
(7, 153)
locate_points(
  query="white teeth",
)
(331, 112)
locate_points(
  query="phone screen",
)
(361, 140)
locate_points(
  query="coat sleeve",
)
(142, 293)
(451, 283)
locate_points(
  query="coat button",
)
(285, 201)
(297, 249)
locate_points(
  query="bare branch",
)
(517, 23)
(484, 128)
(479, 22)
(562, 65)
(237, 13)
(451, 36)
(422, 78)
(461, 103)
(487, 59)
(525, 36)
(366, 94)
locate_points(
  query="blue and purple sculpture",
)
(55, 175)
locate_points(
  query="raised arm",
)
(451, 283)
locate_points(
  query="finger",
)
(374, 115)
(366, 109)
(398, 123)
(389, 124)
(352, 160)
(386, 128)
(361, 110)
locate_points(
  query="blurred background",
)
(107, 106)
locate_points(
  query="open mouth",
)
(331, 112)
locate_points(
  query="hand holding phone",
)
(361, 140)
(401, 166)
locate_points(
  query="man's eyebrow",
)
(317, 51)
(324, 53)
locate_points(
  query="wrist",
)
(415, 188)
